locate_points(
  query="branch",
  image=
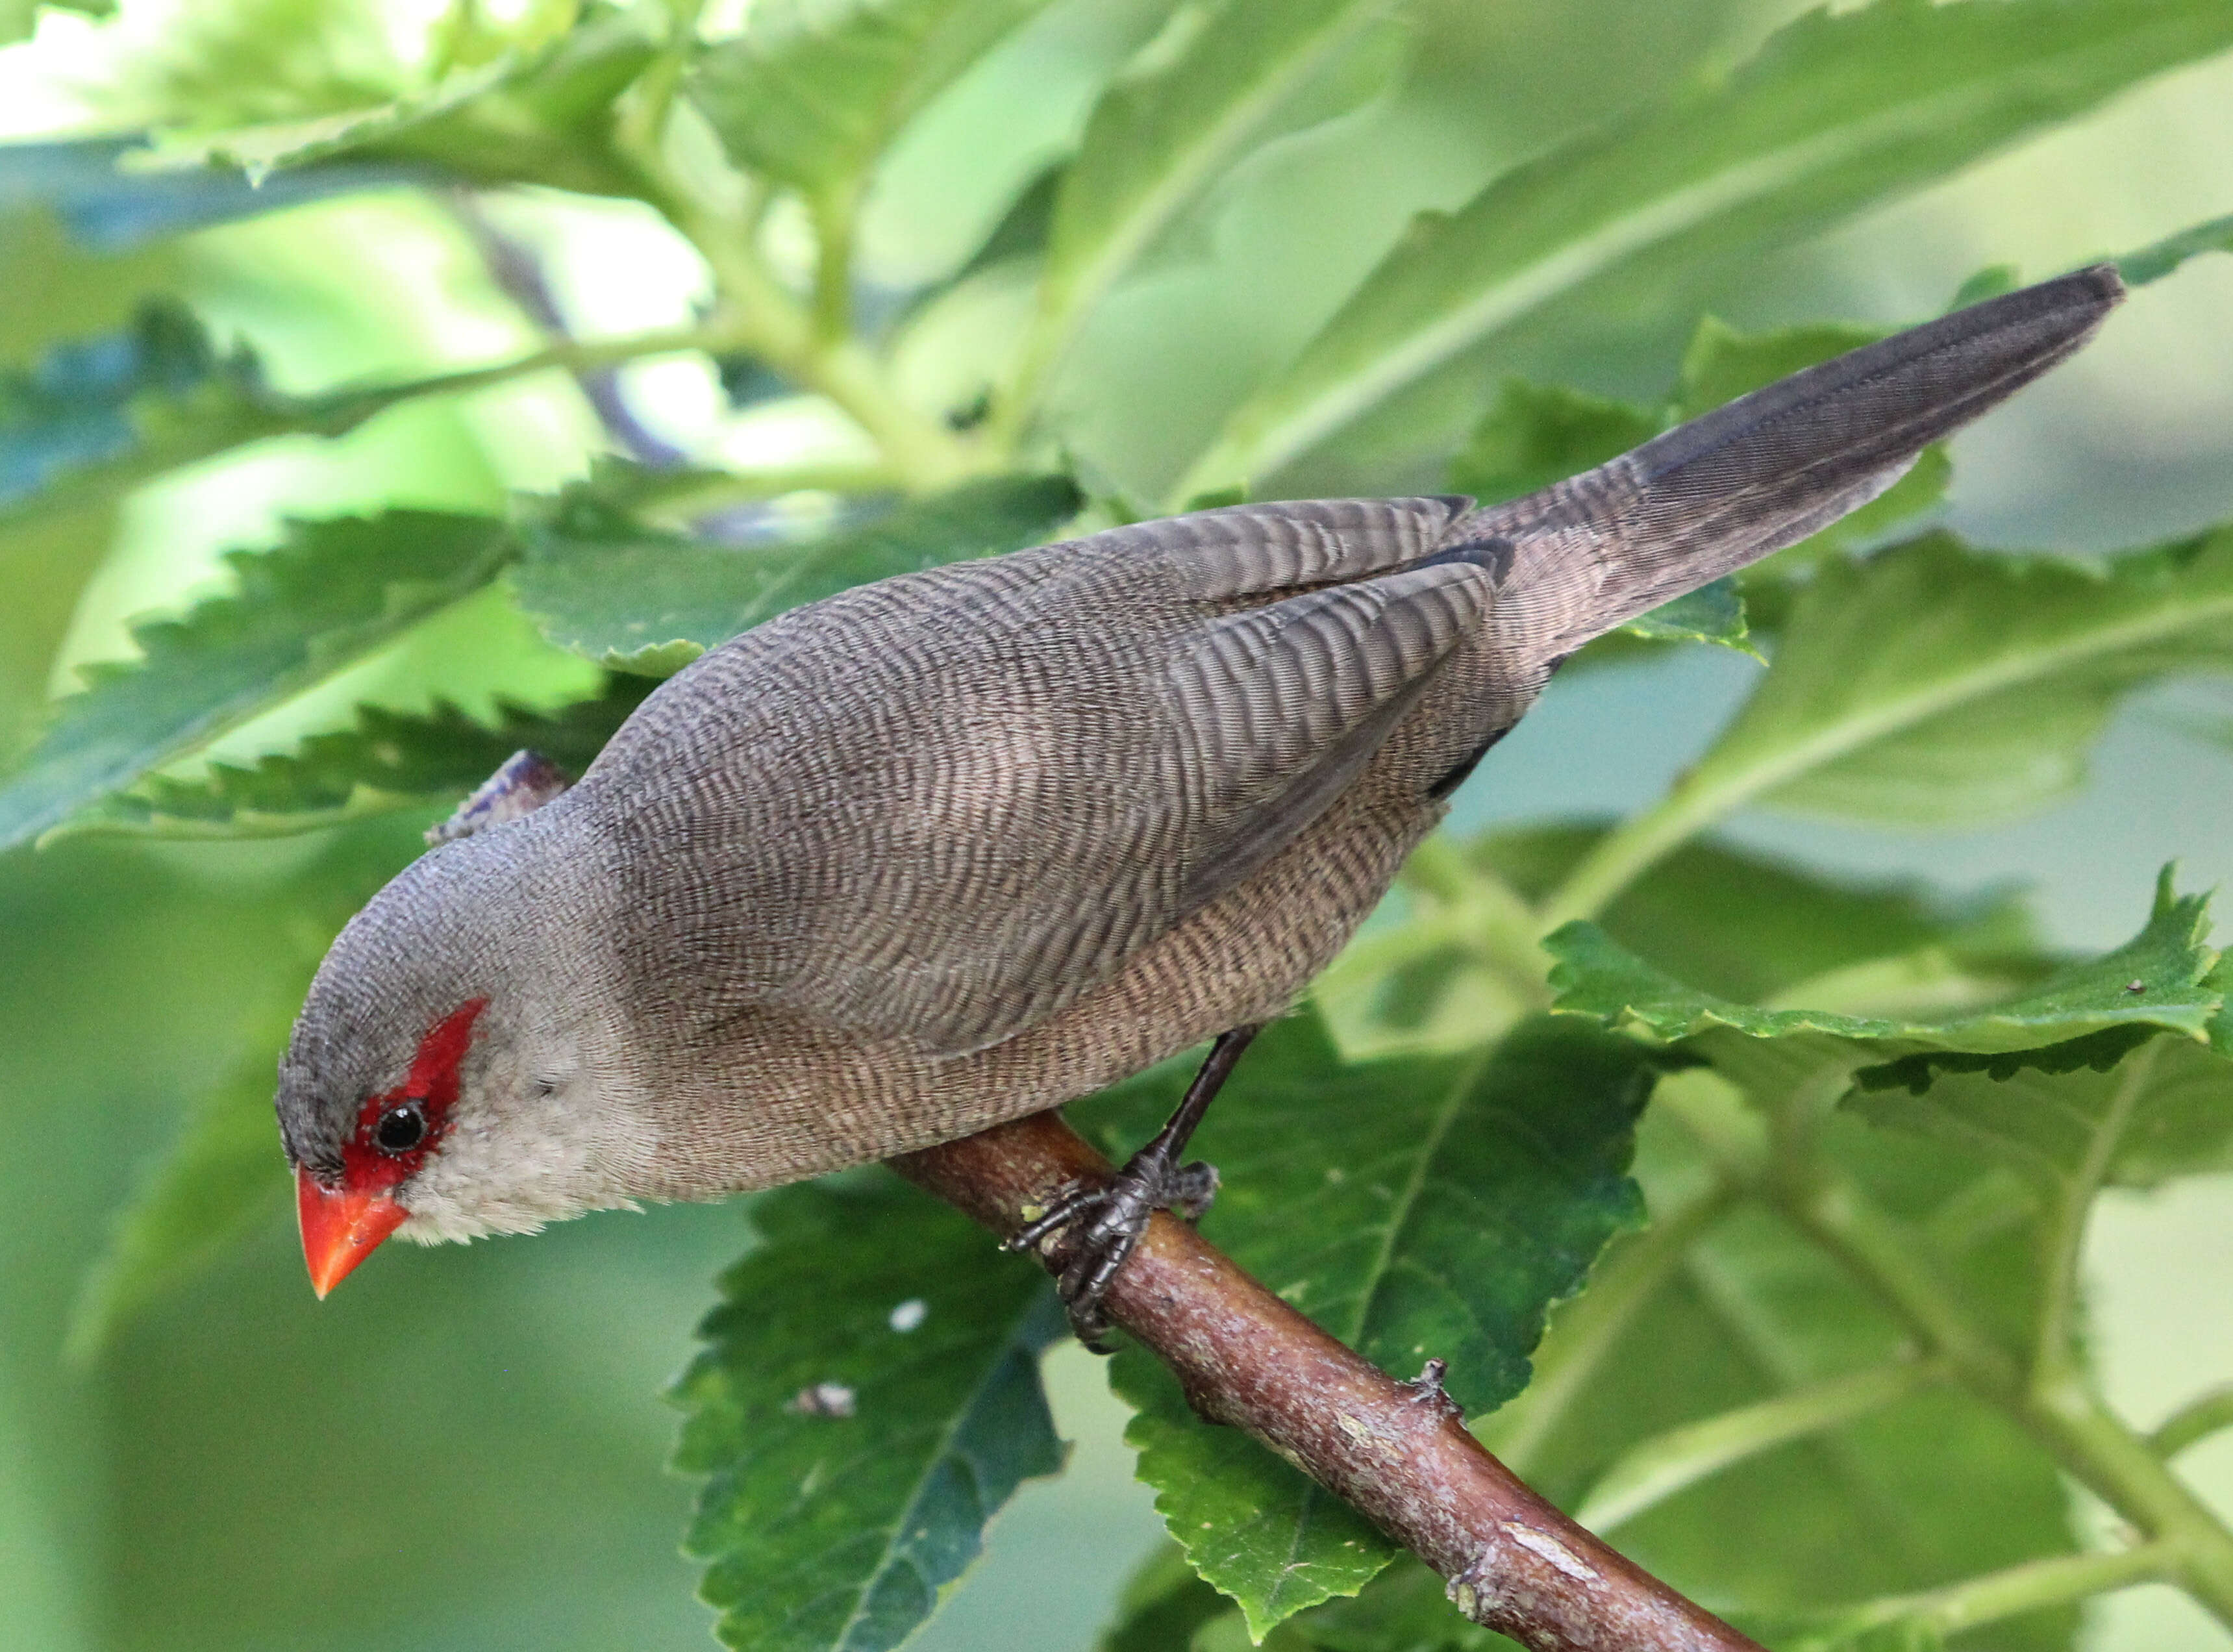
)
(2055, 1358)
(782, 332)
(2067, 1416)
(2061, 1412)
(519, 275)
(2193, 1422)
(1648, 1473)
(336, 413)
(2059, 1580)
(1398, 1450)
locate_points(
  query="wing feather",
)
(937, 809)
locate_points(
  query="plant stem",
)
(2064, 1414)
(2117, 1465)
(833, 265)
(2034, 1586)
(2054, 1354)
(1649, 1473)
(2193, 1422)
(640, 126)
(1463, 909)
(1635, 846)
(767, 319)
(1398, 1450)
(1588, 1329)
(691, 495)
(334, 413)
(781, 331)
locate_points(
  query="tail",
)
(1726, 490)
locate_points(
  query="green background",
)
(462, 1448)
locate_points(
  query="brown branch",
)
(1398, 1450)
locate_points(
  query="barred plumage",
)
(971, 842)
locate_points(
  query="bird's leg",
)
(1152, 1180)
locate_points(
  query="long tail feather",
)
(1747, 479)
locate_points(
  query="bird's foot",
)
(1114, 1215)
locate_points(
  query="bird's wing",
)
(1279, 707)
(976, 793)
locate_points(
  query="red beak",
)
(341, 1228)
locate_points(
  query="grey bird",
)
(956, 847)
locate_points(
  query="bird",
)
(955, 847)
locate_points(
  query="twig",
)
(1591, 1326)
(1649, 1473)
(520, 277)
(1245, 1358)
(2058, 1580)
(336, 413)
(2193, 1422)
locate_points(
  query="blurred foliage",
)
(910, 281)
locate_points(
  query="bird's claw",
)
(1114, 1215)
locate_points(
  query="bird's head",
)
(439, 1082)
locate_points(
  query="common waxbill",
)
(962, 845)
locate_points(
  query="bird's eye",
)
(400, 1129)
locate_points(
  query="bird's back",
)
(968, 844)
(934, 808)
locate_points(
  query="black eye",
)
(400, 1129)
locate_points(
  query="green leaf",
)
(1909, 1635)
(2154, 262)
(68, 266)
(1749, 926)
(19, 17)
(1416, 1208)
(2168, 960)
(1021, 232)
(1405, 1609)
(1463, 962)
(1163, 135)
(224, 1176)
(1989, 283)
(1723, 364)
(1162, 1606)
(868, 1400)
(332, 592)
(389, 760)
(1261, 1531)
(1837, 113)
(1535, 434)
(1986, 710)
(1930, 1488)
(536, 115)
(45, 566)
(2164, 1110)
(814, 91)
(647, 601)
(1712, 614)
(99, 415)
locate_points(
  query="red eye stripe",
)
(433, 1081)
